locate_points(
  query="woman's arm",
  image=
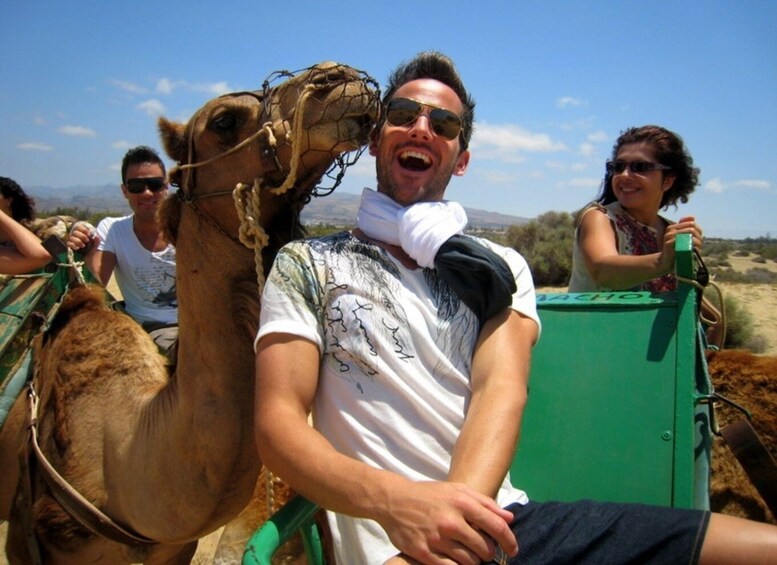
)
(610, 269)
(28, 255)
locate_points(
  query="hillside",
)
(339, 208)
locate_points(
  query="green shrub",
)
(86, 214)
(319, 230)
(739, 325)
(546, 244)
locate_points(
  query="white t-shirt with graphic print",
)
(145, 278)
(397, 347)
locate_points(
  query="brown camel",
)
(171, 457)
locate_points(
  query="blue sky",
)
(555, 82)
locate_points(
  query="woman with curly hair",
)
(20, 249)
(621, 241)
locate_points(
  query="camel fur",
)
(750, 381)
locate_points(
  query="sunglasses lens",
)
(638, 167)
(445, 123)
(402, 111)
(138, 186)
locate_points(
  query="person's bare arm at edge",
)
(100, 264)
(429, 521)
(612, 270)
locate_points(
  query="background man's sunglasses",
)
(138, 186)
(404, 111)
(638, 167)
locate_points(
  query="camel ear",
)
(173, 136)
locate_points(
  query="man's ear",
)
(462, 162)
(668, 182)
(373, 146)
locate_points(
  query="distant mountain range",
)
(339, 208)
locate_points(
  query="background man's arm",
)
(101, 264)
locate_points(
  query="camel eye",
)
(224, 122)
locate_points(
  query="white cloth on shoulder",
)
(420, 229)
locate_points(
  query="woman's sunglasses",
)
(638, 167)
(138, 186)
(405, 111)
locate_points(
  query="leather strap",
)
(25, 501)
(754, 458)
(71, 500)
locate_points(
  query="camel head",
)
(277, 142)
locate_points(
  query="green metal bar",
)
(691, 473)
(13, 388)
(28, 303)
(297, 514)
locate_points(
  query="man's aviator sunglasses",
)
(638, 167)
(405, 111)
(138, 186)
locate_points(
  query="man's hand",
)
(438, 523)
(82, 236)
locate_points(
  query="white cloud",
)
(77, 131)
(129, 86)
(506, 142)
(152, 107)
(581, 124)
(753, 183)
(556, 165)
(569, 101)
(495, 177)
(39, 121)
(715, 185)
(597, 137)
(34, 146)
(214, 88)
(587, 149)
(121, 144)
(583, 182)
(164, 86)
(718, 186)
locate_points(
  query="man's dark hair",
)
(138, 155)
(22, 206)
(435, 65)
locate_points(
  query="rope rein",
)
(701, 281)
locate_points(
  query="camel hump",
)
(79, 299)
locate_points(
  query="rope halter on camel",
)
(272, 135)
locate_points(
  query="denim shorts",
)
(604, 533)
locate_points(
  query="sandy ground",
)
(759, 300)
